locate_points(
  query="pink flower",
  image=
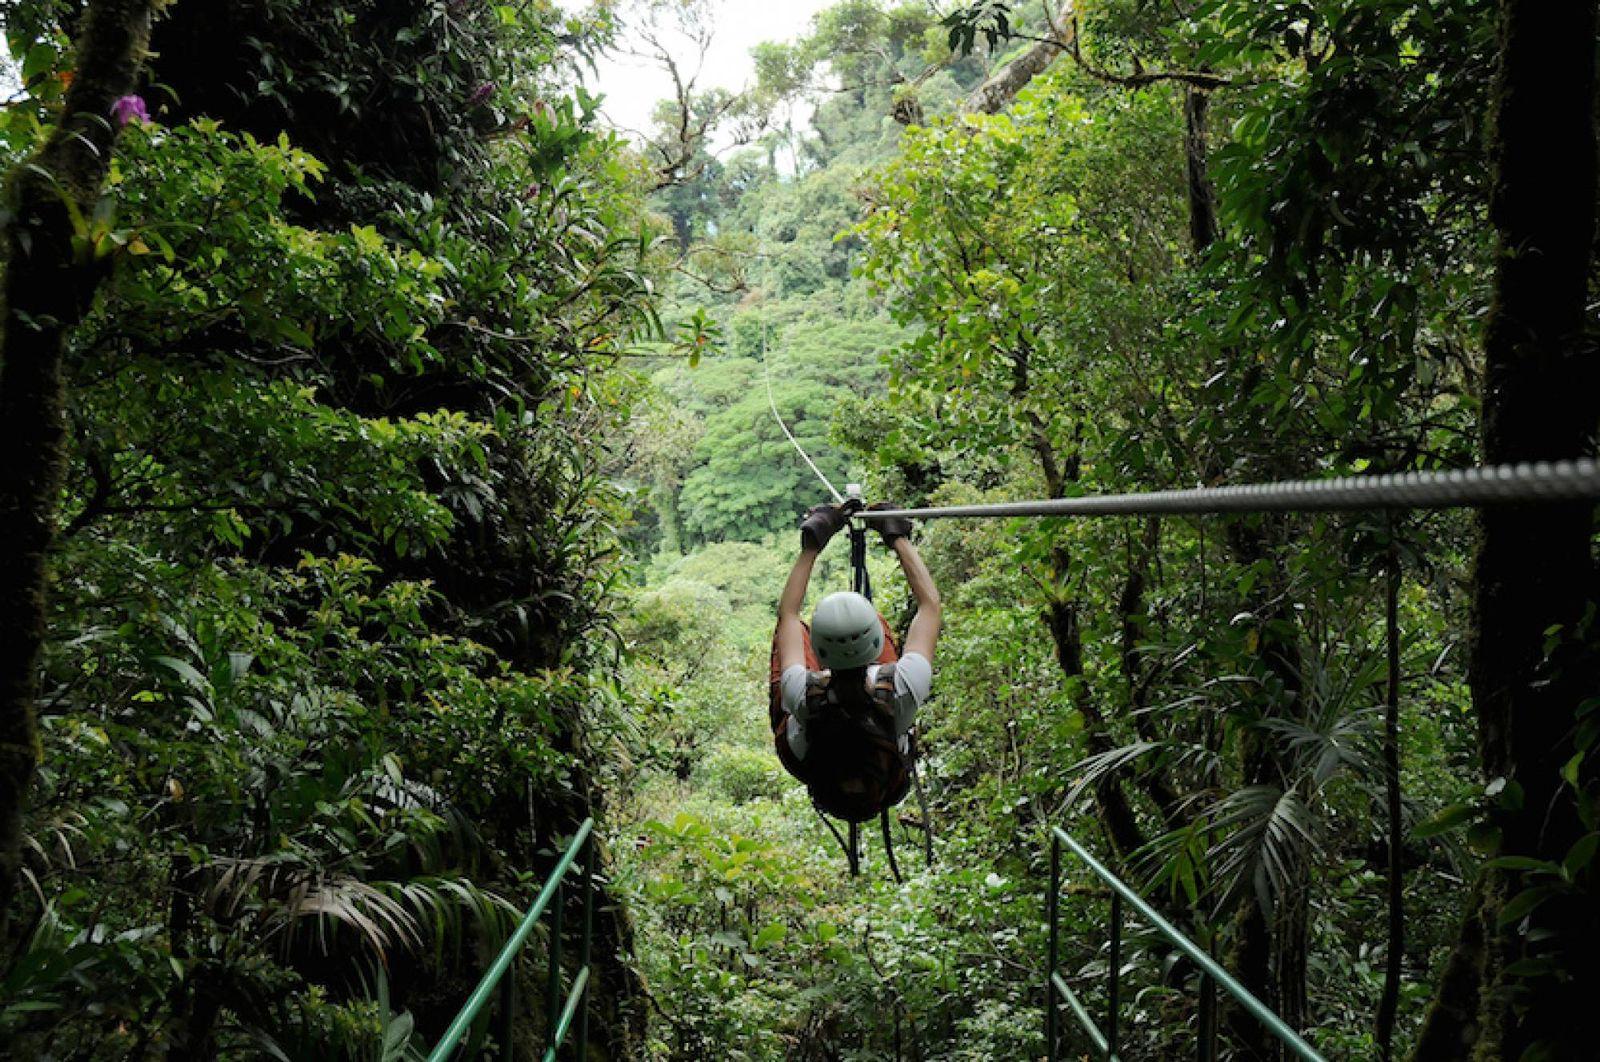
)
(483, 92)
(130, 108)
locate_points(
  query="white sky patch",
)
(10, 76)
(633, 85)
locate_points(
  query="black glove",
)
(821, 524)
(894, 527)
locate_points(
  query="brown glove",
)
(893, 528)
(821, 524)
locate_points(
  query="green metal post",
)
(585, 947)
(508, 1012)
(1208, 965)
(568, 1013)
(552, 994)
(1053, 901)
(1208, 1019)
(445, 1048)
(1112, 991)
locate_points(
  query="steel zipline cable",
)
(1534, 481)
(1540, 481)
(801, 450)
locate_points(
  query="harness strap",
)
(846, 847)
(922, 804)
(888, 846)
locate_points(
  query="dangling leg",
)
(848, 847)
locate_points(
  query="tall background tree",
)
(1516, 981)
(52, 272)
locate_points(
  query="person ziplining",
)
(843, 699)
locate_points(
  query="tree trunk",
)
(1530, 992)
(1061, 617)
(1394, 959)
(1291, 953)
(1002, 86)
(1268, 955)
(50, 281)
(1116, 811)
(1133, 619)
(1250, 960)
(1203, 227)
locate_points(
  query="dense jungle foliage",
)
(333, 553)
(394, 482)
(1218, 242)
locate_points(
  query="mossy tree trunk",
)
(1521, 983)
(1203, 226)
(50, 281)
(1001, 87)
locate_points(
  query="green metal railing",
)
(1211, 975)
(559, 1014)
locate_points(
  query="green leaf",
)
(1522, 863)
(1523, 903)
(186, 671)
(1484, 838)
(1580, 855)
(39, 60)
(1536, 967)
(1449, 819)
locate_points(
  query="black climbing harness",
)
(860, 579)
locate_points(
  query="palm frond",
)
(54, 848)
(285, 894)
(288, 896)
(1324, 745)
(1105, 765)
(1266, 835)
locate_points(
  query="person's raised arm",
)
(819, 526)
(925, 625)
(791, 635)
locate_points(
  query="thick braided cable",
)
(1540, 481)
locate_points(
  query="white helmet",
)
(846, 631)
